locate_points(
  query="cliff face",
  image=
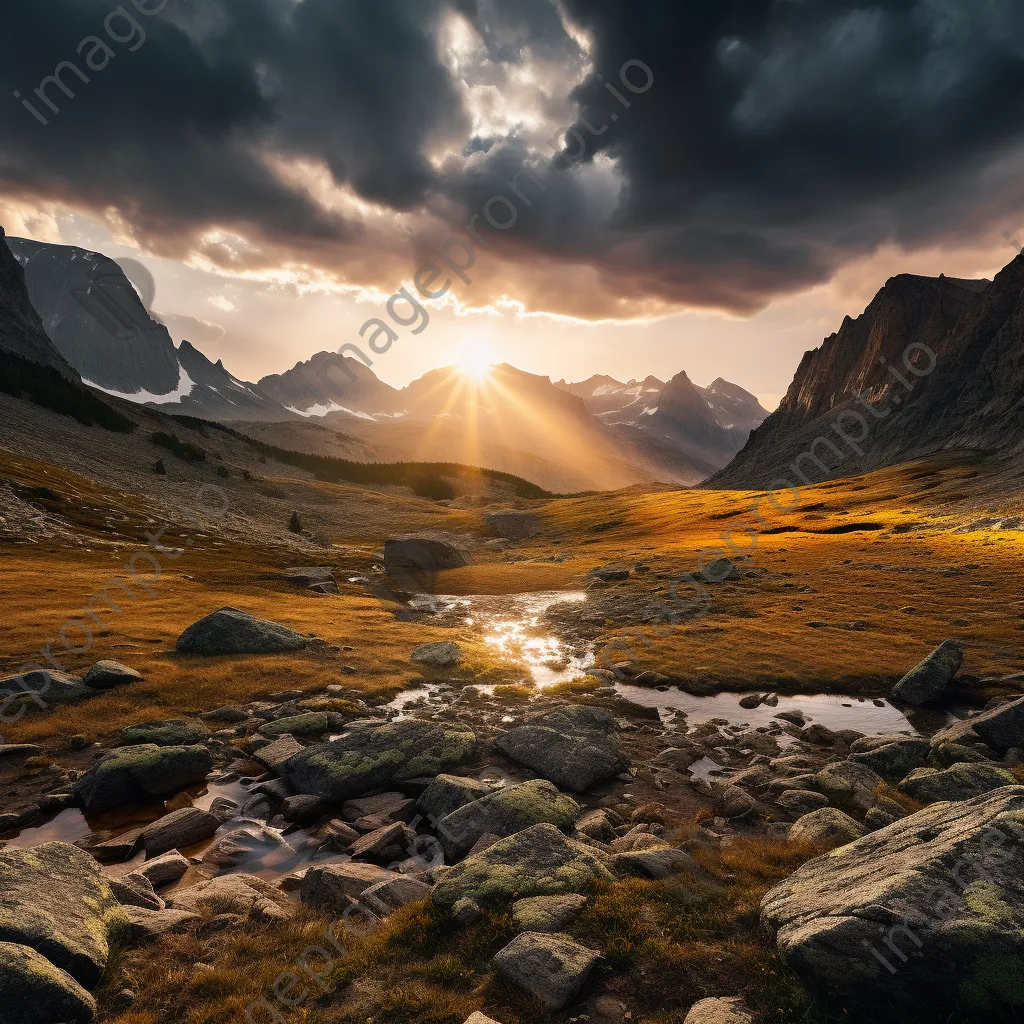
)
(21, 330)
(971, 398)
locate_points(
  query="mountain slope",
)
(21, 330)
(971, 397)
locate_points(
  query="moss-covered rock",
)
(373, 758)
(960, 782)
(33, 991)
(175, 732)
(827, 826)
(538, 862)
(448, 793)
(230, 631)
(892, 757)
(137, 774)
(55, 899)
(547, 913)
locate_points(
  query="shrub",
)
(184, 450)
(295, 524)
(159, 468)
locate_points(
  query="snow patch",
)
(323, 409)
(648, 411)
(184, 388)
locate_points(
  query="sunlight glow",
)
(475, 360)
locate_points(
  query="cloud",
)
(780, 141)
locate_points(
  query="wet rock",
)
(719, 1010)
(249, 842)
(34, 991)
(164, 870)
(105, 675)
(849, 785)
(442, 654)
(178, 829)
(150, 924)
(892, 757)
(231, 631)
(801, 801)
(137, 774)
(932, 677)
(176, 732)
(448, 793)
(827, 826)
(277, 754)
(547, 913)
(938, 896)
(55, 899)
(795, 717)
(751, 701)
(506, 812)
(551, 968)
(333, 887)
(512, 525)
(960, 782)
(538, 862)
(374, 758)
(245, 895)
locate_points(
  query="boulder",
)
(245, 895)
(512, 525)
(309, 575)
(277, 754)
(178, 829)
(105, 675)
(479, 1018)
(391, 894)
(719, 1010)
(302, 809)
(547, 913)
(721, 570)
(164, 870)
(43, 688)
(441, 654)
(250, 842)
(505, 812)
(448, 793)
(551, 968)
(927, 912)
(538, 862)
(33, 991)
(392, 806)
(599, 824)
(827, 826)
(849, 785)
(412, 561)
(932, 677)
(175, 732)
(364, 760)
(1000, 727)
(960, 782)
(333, 887)
(55, 899)
(231, 631)
(137, 774)
(576, 762)
(149, 924)
(892, 757)
(655, 862)
(801, 801)
(378, 844)
(311, 723)
(135, 890)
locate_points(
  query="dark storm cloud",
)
(781, 137)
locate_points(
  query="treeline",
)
(44, 386)
(427, 479)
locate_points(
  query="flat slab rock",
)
(927, 911)
(232, 631)
(551, 968)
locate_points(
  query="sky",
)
(641, 187)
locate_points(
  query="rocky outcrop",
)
(538, 862)
(230, 631)
(373, 758)
(928, 911)
(137, 774)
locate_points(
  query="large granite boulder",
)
(1000, 727)
(928, 911)
(506, 812)
(538, 862)
(137, 774)
(827, 826)
(412, 561)
(551, 968)
(334, 887)
(33, 991)
(231, 631)
(849, 785)
(105, 675)
(893, 757)
(242, 894)
(55, 899)
(960, 782)
(42, 688)
(373, 758)
(932, 677)
(448, 793)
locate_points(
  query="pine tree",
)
(294, 524)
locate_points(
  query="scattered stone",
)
(375, 845)
(932, 677)
(311, 723)
(333, 887)
(960, 782)
(538, 862)
(135, 890)
(394, 806)
(448, 793)
(938, 896)
(34, 991)
(178, 829)
(721, 570)
(599, 824)
(277, 754)
(387, 896)
(41, 688)
(137, 774)
(245, 895)
(176, 732)
(547, 913)
(751, 701)
(733, 802)
(801, 801)
(364, 760)
(150, 924)
(612, 574)
(551, 968)
(479, 1018)
(302, 809)
(1000, 727)
(656, 862)
(512, 525)
(466, 913)
(827, 826)
(231, 631)
(413, 560)
(719, 1010)
(441, 654)
(105, 675)
(249, 842)
(19, 751)
(164, 870)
